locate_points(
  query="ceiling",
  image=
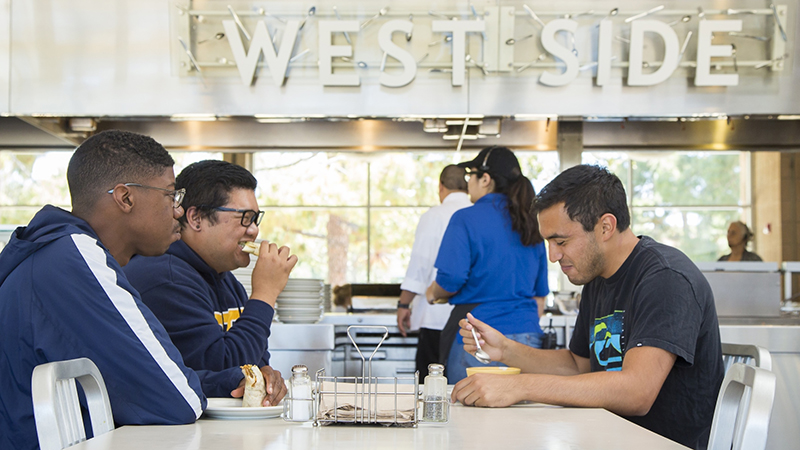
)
(247, 134)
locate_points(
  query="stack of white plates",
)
(301, 301)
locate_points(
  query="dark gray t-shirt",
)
(658, 298)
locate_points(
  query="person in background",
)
(429, 319)
(205, 309)
(739, 235)
(492, 259)
(63, 294)
(646, 342)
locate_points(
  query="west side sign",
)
(248, 54)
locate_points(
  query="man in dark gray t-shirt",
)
(657, 298)
(646, 342)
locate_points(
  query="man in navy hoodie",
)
(204, 308)
(63, 294)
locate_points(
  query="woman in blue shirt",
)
(492, 260)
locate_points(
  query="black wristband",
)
(402, 305)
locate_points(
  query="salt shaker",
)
(435, 406)
(298, 406)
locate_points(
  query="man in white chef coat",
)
(413, 310)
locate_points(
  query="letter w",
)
(247, 62)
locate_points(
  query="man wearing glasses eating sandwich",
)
(63, 294)
(205, 309)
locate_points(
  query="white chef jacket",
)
(421, 273)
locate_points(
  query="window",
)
(29, 180)
(351, 217)
(683, 199)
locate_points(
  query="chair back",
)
(748, 354)
(744, 407)
(57, 409)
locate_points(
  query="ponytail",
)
(521, 197)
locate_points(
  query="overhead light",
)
(434, 126)
(193, 118)
(535, 117)
(652, 119)
(455, 137)
(489, 127)
(788, 117)
(82, 124)
(270, 118)
(604, 119)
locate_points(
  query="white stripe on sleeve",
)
(95, 258)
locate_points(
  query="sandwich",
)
(251, 247)
(255, 389)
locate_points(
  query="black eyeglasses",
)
(470, 173)
(249, 216)
(176, 194)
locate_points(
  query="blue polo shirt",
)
(483, 260)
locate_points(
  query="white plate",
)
(289, 320)
(231, 408)
(298, 315)
(300, 295)
(299, 309)
(282, 302)
(305, 282)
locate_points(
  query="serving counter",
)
(527, 427)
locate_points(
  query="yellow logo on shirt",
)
(227, 319)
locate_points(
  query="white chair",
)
(748, 354)
(56, 408)
(744, 407)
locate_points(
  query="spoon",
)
(683, 19)
(311, 11)
(346, 35)
(221, 35)
(480, 355)
(382, 12)
(533, 15)
(512, 41)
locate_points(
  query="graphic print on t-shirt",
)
(227, 319)
(607, 340)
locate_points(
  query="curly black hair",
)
(208, 185)
(587, 192)
(109, 158)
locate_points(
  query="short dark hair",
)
(452, 178)
(109, 158)
(587, 192)
(208, 185)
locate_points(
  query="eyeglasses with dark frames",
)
(249, 216)
(470, 173)
(176, 194)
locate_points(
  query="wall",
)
(790, 193)
(767, 211)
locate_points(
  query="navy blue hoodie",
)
(207, 314)
(63, 296)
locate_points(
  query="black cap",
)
(498, 161)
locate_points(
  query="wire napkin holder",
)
(368, 399)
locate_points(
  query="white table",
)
(526, 427)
